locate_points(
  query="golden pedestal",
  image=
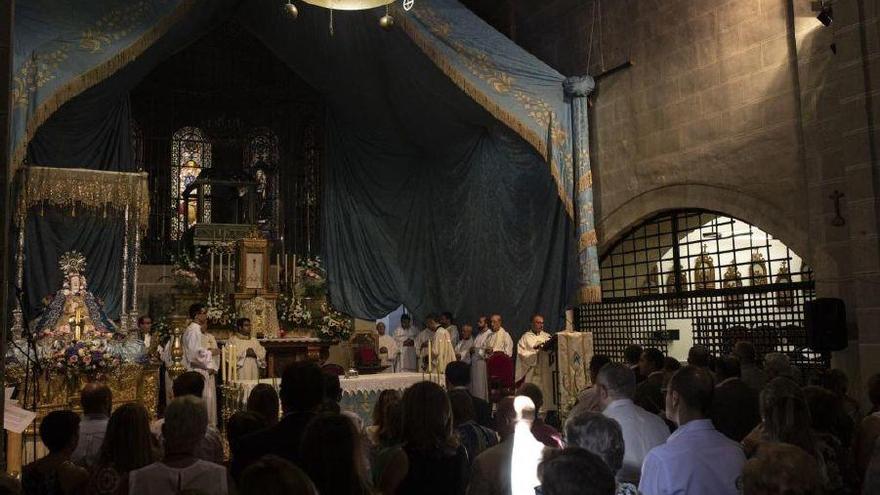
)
(129, 383)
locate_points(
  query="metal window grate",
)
(728, 279)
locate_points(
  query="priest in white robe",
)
(251, 355)
(405, 338)
(499, 340)
(446, 322)
(465, 344)
(533, 363)
(479, 375)
(387, 349)
(198, 358)
(443, 350)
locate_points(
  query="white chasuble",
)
(500, 341)
(444, 352)
(388, 353)
(409, 359)
(197, 357)
(248, 367)
(479, 375)
(533, 365)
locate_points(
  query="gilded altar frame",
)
(253, 265)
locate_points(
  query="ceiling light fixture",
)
(386, 22)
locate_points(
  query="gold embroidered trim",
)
(80, 83)
(590, 294)
(97, 190)
(586, 240)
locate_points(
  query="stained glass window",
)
(190, 153)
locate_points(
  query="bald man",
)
(499, 340)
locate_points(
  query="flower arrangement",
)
(314, 277)
(85, 357)
(334, 325)
(292, 313)
(185, 271)
(220, 312)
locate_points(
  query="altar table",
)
(359, 394)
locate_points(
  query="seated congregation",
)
(652, 425)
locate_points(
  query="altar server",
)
(479, 375)
(405, 337)
(388, 353)
(251, 355)
(465, 344)
(499, 340)
(532, 363)
(198, 358)
(443, 351)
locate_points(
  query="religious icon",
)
(704, 271)
(255, 271)
(651, 284)
(676, 279)
(732, 280)
(758, 269)
(784, 297)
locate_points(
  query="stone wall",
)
(747, 107)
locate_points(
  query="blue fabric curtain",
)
(448, 172)
(92, 130)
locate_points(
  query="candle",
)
(278, 268)
(212, 267)
(294, 268)
(233, 363)
(430, 357)
(221, 267)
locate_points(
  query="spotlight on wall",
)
(826, 13)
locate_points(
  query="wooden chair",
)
(500, 371)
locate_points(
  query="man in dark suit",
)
(302, 391)
(458, 376)
(735, 409)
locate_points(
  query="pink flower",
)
(87, 360)
(72, 359)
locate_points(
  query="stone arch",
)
(614, 225)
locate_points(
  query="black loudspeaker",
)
(826, 324)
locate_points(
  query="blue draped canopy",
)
(457, 173)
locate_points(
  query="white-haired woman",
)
(186, 420)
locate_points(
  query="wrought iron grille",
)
(723, 278)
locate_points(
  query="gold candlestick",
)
(176, 369)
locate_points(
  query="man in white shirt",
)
(446, 322)
(697, 458)
(405, 336)
(642, 431)
(533, 363)
(96, 399)
(387, 348)
(499, 340)
(198, 358)
(479, 380)
(465, 344)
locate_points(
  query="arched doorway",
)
(692, 277)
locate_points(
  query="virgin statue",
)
(74, 313)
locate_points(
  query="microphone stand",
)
(33, 368)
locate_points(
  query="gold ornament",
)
(176, 369)
(72, 262)
(290, 10)
(386, 22)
